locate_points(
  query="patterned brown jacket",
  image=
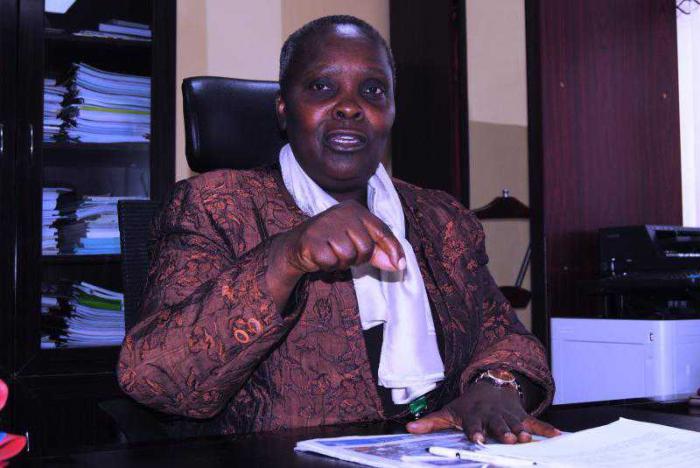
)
(210, 344)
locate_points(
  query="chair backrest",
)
(230, 123)
(135, 237)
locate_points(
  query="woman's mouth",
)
(345, 141)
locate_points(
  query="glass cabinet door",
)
(89, 125)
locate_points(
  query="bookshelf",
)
(102, 130)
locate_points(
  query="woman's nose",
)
(348, 110)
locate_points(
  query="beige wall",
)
(497, 76)
(498, 154)
(242, 39)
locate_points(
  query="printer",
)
(650, 249)
(649, 272)
(645, 340)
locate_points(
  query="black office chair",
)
(229, 123)
(135, 237)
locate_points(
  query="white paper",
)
(624, 443)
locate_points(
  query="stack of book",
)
(50, 214)
(81, 315)
(53, 97)
(106, 107)
(80, 225)
(119, 29)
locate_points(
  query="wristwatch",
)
(500, 378)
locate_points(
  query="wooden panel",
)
(429, 140)
(604, 133)
(8, 58)
(163, 99)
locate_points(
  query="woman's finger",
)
(436, 421)
(363, 243)
(514, 423)
(535, 426)
(499, 430)
(325, 258)
(345, 250)
(387, 246)
(474, 429)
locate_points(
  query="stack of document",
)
(94, 229)
(106, 107)
(79, 225)
(125, 28)
(81, 315)
(50, 214)
(624, 443)
(53, 97)
(119, 29)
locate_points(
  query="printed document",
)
(624, 443)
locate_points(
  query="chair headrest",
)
(230, 123)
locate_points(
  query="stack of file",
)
(106, 107)
(119, 29)
(53, 97)
(81, 315)
(79, 225)
(125, 28)
(94, 228)
(50, 214)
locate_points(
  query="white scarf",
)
(410, 363)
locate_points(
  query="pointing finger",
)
(387, 246)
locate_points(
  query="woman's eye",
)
(319, 86)
(375, 91)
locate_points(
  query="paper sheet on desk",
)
(624, 443)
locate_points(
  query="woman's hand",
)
(486, 410)
(341, 237)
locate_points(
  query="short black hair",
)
(296, 41)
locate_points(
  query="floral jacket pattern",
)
(210, 344)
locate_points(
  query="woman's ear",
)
(281, 108)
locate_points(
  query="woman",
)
(319, 291)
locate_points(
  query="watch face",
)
(503, 375)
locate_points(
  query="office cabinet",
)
(87, 106)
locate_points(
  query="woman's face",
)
(339, 109)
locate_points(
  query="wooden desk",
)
(275, 449)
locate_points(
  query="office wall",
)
(689, 100)
(242, 38)
(498, 140)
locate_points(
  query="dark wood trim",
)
(30, 115)
(539, 310)
(163, 98)
(8, 111)
(460, 100)
(430, 145)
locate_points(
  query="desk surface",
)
(275, 449)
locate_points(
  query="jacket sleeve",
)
(503, 341)
(207, 320)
